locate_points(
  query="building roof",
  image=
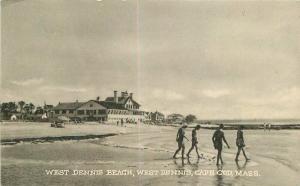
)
(158, 113)
(68, 106)
(134, 102)
(122, 100)
(48, 106)
(176, 115)
(111, 105)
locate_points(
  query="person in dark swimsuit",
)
(240, 143)
(180, 140)
(194, 141)
(218, 139)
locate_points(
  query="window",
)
(80, 112)
(63, 111)
(71, 111)
(57, 112)
(95, 112)
(101, 111)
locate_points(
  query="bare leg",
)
(182, 151)
(197, 151)
(218, 156)
(221, 157)
(237, 154)
(179, 148)
(245, 154)
(188, 154)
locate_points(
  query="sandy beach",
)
(122, 157)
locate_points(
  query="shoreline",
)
(53, 139)
(85, 133)
(256, 127)
(141, 148)
(235, 126)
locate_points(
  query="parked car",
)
(76, 120)
(58, 123)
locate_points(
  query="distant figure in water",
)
(194, 141)
(180, 140)
(240, 143)
(269, 127)
(265, 126)
(218, 139)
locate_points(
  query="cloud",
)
(28, 82)
(287, 97)
(215, 93)
(290, 95)
(63, 89)
(167, 94)
(8, 95)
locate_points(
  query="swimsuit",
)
(194, 137)
(218, 139)
(240, 139)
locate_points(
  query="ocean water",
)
(274, 154)
(254, 121)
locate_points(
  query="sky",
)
(217, 60)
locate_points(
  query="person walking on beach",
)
(218, 139)
(194, 141)
(240, 143)
(122, 122)
(180, 140)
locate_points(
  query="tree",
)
(29, 108)
(48, 108)
(39, 110)
(190, 118)
(8, 108)
(21, 104)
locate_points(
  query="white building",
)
(112, 109)
(123, 107)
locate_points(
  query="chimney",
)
(116, 96)
(124, 94)
(131, 95)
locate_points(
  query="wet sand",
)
(274, 155)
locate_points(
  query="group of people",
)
(267, 126)
(217, 139)
(122, 123)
